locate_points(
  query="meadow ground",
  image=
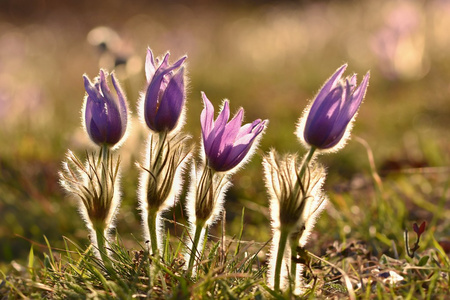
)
(270, 59)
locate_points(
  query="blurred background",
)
(268, 57)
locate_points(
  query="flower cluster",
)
(294, 184)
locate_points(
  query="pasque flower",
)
(165, 95)
(96, 183)
(105, 115)
(162, 107)
(333, 109)
(227, 144)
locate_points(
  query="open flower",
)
(227, 144)
(332, 111)
(165, 95)
(105, 116)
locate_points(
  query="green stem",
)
(152, 215)
(280, 254)
(305, 163)
(293, 241)
(100, 227)
(162, 136)
(101, 244)
(105, 153)
(104, 169)
(198, 232)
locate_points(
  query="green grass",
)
(232, 268)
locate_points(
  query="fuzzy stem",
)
(101, 245)
(306, 161)
(155, 164)
(105, 154)
(162, 137)
(195, 242)
(152, 216)
(293, 241)
(104, 170)
(280, 254)
(100, 228)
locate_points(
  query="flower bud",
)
(105, 116)
(325, 125)
(165, 93)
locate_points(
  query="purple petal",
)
(215, 136)
(230, 132)
(90, 89)
(104, 86)
(152, 101)
(240, 149)
(247, 128)
(355, 101)
(233, 127)
(326, 89)
(150, 66)
(335, 137)
(318, 127)
(243, 145)
(352, 81)
(172, 102)
(107, 96)
(96, 120)
(122, 103)
(206, 118)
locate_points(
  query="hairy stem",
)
(101, 244)
(152, 216)
(280, 254)
(306, 161)
(293, 241)
(195, 242)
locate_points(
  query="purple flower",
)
(165, 95)
(226, 144)
(105, 116)
(333, 109)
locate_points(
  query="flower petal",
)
(150, 66)
(152, 101)
(172, 102)
(318, 127)
(358, 96)
(329, 85)
(218, 129)
(90, 89)
(227, 140)
(123, 107)
(206, 118)
(240, 149)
